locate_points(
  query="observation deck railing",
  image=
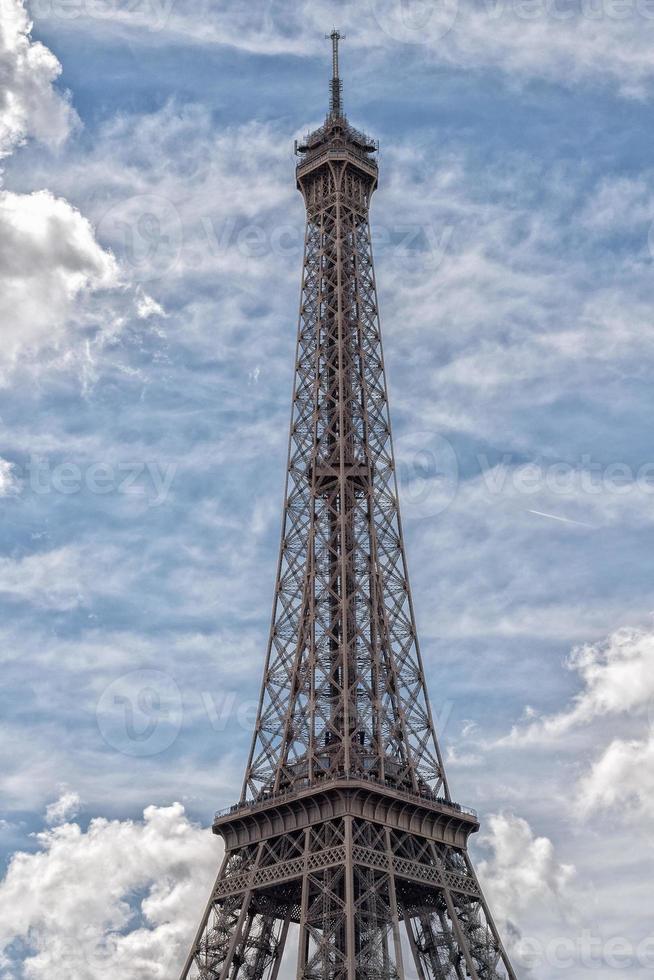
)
(311, 156)
(316, 783)
(322, 134)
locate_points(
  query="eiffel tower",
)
(346, 848)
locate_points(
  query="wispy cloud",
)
(567, 44)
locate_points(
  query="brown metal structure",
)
(346, 841)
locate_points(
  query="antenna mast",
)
(336, 85)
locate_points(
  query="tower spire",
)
(336, 85)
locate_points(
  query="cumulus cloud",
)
(608, 726)
(122, 898)
(63, 809)
(622, 777)
(48, 258)
(523, 874)
(48, 253)
(29, 104)
(618, 677)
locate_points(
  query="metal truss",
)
(363, 898)
(344, 685)
(345, 833)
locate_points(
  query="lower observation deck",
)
(307, 804)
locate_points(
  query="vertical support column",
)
(205, 921)
(491, 925)
(345, 516)
(350, 925)
(417, 956)
(459, 935)
(244, 919)
(241, 928)
(392, 897)
(280, 947)
(303, 940)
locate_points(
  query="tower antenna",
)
(336, 85)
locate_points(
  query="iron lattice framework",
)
(346, 837)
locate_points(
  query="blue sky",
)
(150, 252)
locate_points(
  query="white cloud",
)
(462, 760)
(618, 677)
(9, 483)
(523, 876)
(498, 286)
(122, 899)
(66, 577)
(147, 306)
(622, 778)
(63, 809)
(525, 40)
(620, 204)
(29, 104)
(565, 43)
(48, 258)
(523, 867)
(50, 580)
(602, 728)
